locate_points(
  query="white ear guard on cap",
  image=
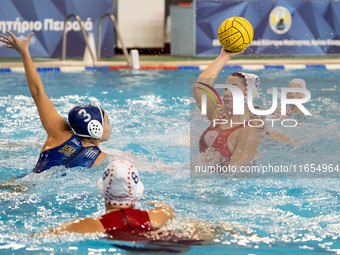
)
(95, 129)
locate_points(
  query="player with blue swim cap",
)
(81, 149)
(73, 143)
(86, 121)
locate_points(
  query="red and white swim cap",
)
(299, 81)
(252, 83)
(120, 184)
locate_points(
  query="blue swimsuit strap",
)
(74, 156)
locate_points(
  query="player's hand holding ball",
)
(235, 34)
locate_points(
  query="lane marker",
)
(74, 69)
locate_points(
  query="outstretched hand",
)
(20, 45)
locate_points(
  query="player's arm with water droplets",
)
(206, 81)
(52, 121)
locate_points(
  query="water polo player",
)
(260, 121)
(70, 144)
(121, 188)
(295, 83)
(237, 144)
(292, 110)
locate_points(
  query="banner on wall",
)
(280, 27)
(46, 19)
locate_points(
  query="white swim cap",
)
(299, 81)
(252, 83)
(120, 184)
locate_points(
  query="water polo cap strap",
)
(81, 134)
(252, 83)
(219, 107)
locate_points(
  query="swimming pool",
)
(150, 118)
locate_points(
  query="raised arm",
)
(206, 80)
(51, 120)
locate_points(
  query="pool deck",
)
(173, 61)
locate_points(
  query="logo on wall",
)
(280, 20)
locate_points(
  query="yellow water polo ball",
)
(235, 34)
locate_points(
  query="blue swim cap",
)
(86, 121)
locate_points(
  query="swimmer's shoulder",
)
(52, 142)
(160, 215)
(279, 137)
(248, 135)
(242, 135)
(102, 158)
(246, 131)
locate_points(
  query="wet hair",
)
(239, 75)
(236, 74)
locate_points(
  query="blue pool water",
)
(150, 118)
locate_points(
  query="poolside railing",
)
(63, 56)
(119, 37)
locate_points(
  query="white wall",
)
(141, 23)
